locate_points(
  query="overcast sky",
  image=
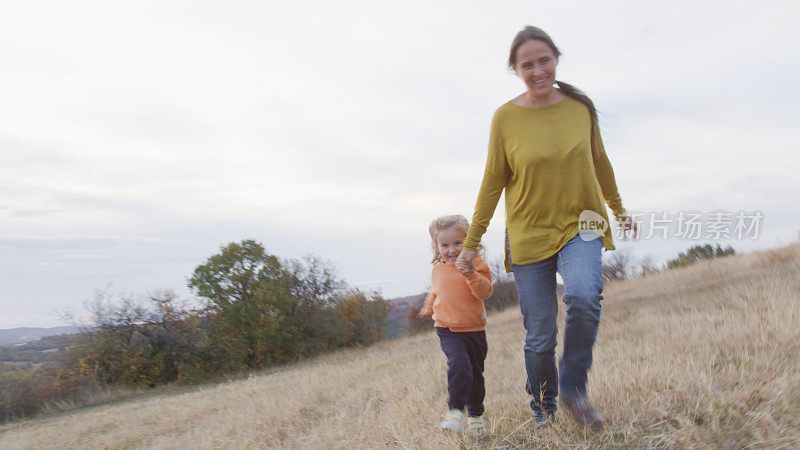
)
(136, 138)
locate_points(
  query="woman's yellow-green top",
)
(553, 166)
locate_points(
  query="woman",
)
(545, 150)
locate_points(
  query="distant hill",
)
(398, 313)
(397, 317)
(12, 336)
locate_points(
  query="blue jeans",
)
(579, 263)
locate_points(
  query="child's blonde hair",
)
(443, 223)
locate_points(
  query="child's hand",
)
(466, 268)
(464, 262)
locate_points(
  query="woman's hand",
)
(627, 223)
(464, 262)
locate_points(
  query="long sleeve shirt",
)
(456, 301)
(552, 165)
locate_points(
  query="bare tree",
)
(619, 266)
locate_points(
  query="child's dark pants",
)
(465, 352)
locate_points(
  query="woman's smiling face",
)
(536, 65)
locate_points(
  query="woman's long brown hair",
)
(530, 33)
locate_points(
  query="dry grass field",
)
(704, 356)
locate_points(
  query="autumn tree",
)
(270, 310)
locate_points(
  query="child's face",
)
(449, 242)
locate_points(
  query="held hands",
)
(464, 262)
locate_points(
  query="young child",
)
(456, 304)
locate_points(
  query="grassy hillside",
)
(706, 355)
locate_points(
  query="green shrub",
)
(699, 253)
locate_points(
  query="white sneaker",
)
(476, 426)
(453, 420)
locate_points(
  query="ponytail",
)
(577, 94)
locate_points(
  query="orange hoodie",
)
(456, 301)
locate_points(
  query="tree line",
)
(255, 310)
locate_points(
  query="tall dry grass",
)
(706, 355)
